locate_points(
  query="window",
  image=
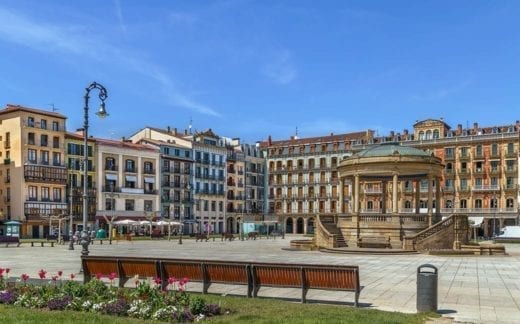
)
(45, 193)
(55, 142)
(31, 155)
(110, 164)
(56, 194)
(510, 183)
(44, 157)
(510, 165)
(30, 121)
(30, 138)
(510, 203)
(510, 148)
(479, 150)
(130, 165)
(213, 205)
(220, 206)
(148, 205)
(205, 205)
(148, 167)
(187, 154)
(421, 135)
(130, 182)
(44, 140)
(56, 159)
(463, 184)
(493, 202)
(494, 181)
(110, 204)
(55, 126)
(494, 149)
(478, 203)
(436, 134)
(494, 166)
(463, 203)
(463, 151)
(129, 204)
(43, 124)
(448, 152)
(33, 193)
(428, 134)
(478, 182)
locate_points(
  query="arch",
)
(436, 133)
(289, 225)
(428, 134)
(299, 225)
(310, 225)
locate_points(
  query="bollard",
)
(427, 288)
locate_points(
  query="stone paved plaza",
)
(484, 289)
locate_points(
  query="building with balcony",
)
(127, 180)
(302, 177)
(176, 168)
(33, 169)
(74, 143)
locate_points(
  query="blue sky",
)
(252, 68)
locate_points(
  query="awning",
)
(149, 179)
(131, 178)
(475, 221)
(110, 176)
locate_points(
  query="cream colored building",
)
(127, 180)
(33, 172)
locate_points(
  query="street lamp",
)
(494, 213)
(85, 238)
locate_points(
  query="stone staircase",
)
(329, 232)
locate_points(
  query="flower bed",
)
(146, 301)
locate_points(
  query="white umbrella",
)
(126, 222)
(161, 223)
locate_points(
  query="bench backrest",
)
(223, 272)
(9, 239)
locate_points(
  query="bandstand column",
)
(341, 199)
(417, 196)
(430, 200)
(394, 195)
(437, 199)
(384, 186)
(356, 194)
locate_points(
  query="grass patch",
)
(235, 310)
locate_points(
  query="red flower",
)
(157, 280)
(99, 276)
(7, 270)
(72, 276)
(172, 280)
(54, 278)
(112, 276)
(183, 281)
(24, 277)
(1, 271)
(60, 273)
(42, 273)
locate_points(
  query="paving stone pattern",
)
(471, 289)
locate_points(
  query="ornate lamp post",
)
(85, 238)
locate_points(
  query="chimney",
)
(175, 131)
(475, 127)
(168, 129)
(123, 139)
(292, 138)
(269, 140)
(392, 133)
(80, 131)
(185, 132)
(459, 129)
(405, 132)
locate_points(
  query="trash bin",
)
(427, 288)
(101, 234)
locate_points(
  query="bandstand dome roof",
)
(390, 149)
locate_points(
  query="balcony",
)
(150, 191)
(510, 187)
(131, 170)
(464, 157)
(7, 179)
(477, 171)
(110, 167)
(149, 171)
(449, 157)
(511, 154)
(46, 174)
(486, 188)
(131, 190)
(510, 169)
(7, 161)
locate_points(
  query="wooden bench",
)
(201, 236)
(251, 274)
(374, 242)
(10, 240)
(252, 235)
(306, 276)
(42, 243)
(228, 236)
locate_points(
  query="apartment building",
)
(176, 167)
(127, 181)
(33, 170)
(74, 143)
(210, 155)
(303, 179)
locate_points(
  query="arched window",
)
(448, 204)
(478, 203)
(408, 204)
(148, 167)
(463, 203)
(421, 135)
(436, 133)
(428, 134)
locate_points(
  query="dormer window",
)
(495, 130)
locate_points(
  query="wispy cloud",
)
(441, 93)
(119, 15)
(324, 126)
(78, 42)
(281, 68)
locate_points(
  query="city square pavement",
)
(471, 289)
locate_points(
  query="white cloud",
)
(281, 69)
(78, 42)
(442, 93)
(119, 15)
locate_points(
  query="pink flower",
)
(72, 276)
(183, 281)
(60, 273)
(42, 273)
(112, 276)
(99, 276)
(24, 277)
(157, 281)
(172, 280)
(1, 271)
